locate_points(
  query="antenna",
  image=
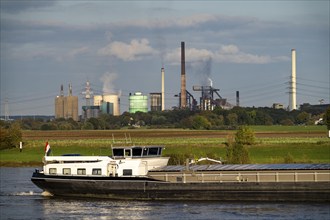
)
(62, 91)
(88, 94)
(70, 89)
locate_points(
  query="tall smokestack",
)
(293, 88)
(163, 88)
(183, 99)
(237, 98)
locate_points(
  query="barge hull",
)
(149, 189)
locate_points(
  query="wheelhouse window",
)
(96, 171)
(153, 151)
(127, 152)
(66, 171)
(137, 152)
(81, 171)
(52, 171)
(118, 152)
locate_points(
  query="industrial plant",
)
(210, 97)
(109, 103)
(105, 103)
(66, 106)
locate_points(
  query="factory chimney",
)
(183, 99)
(293, 88)
(163, 88)
(237, 98)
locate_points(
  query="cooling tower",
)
(114, 99)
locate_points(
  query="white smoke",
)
(108, 82)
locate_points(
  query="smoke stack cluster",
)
(293, 88)
(183, 98)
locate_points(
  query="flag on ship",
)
(47, 149)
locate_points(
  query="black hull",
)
(149, 189)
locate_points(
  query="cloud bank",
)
(135, 50)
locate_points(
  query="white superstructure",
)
(124, 162)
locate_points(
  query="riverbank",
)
(275, 144)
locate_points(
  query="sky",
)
(120, 47)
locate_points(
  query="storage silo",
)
(138, 103)
(71, 107)
(59, 107)
(155, 101)
(114, 99)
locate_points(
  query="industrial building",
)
(208, 101)
(66, 106)
(155, 101)
(138, 102)
(108, 103)
(105, 104)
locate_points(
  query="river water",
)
(20, 199)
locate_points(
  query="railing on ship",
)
(316, 176)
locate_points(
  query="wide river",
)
(20, 199)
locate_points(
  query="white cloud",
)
(225, 54)
(232, 54)
(192, 55)
(135, 50)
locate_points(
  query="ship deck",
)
(243, 173)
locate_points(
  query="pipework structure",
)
(207, 101)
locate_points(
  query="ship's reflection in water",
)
(118, 209)
(97, 208)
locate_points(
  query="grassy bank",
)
(274, 144)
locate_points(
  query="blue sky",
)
(120, 46)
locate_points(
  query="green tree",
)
(327, 118)
(232, 119)
(245, 136)
(158, 120)
(286, 121)
(200, 122)
(303, 118)
(87, 126)
(236, 152)
(10, 137)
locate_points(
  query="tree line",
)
(217, 119)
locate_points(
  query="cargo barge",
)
(141, 173)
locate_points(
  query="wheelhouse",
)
(137, 152)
